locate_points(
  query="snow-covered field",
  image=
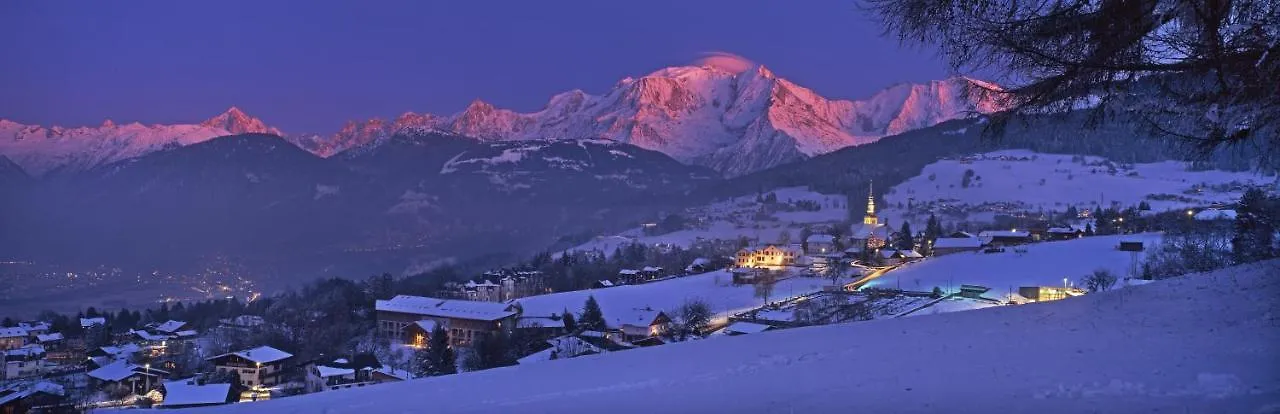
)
(1042, 264)
(1198, 344)
(1030, 181)
(716, 288)
(734, 218)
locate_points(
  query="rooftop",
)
(187, 393)
(12, 332)
(171, 326)
(957, 242)
(262, 355)
(446, 308)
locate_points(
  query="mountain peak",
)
(236, 121)
(108, 123)
(478, 105)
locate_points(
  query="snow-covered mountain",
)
(236, 121)
(734, 122)
(40, 150)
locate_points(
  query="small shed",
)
(973, 291)
(1130, 246)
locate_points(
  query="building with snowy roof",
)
(258, 367)
(464, 320)
(11, 338)
(171, 327)
(1005, 237)
(127, 376)
(186, 393)
(948, 245)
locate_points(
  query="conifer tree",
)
(1254, 236)
(569, 324)
(906, 240)
(592, 317)
(438, 358)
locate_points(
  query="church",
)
(871, 233)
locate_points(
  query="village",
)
(830, 274)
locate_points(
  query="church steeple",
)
(871, 218)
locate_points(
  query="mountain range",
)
(732, 122)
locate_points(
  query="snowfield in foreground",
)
(1200, 344)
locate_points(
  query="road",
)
(852, 286)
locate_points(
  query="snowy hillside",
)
(738, 217)
(1038, 264)
(715, 288)
(40, 150)
(734, 122)
(1201, 344)
(1020, 180)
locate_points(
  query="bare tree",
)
(1099, 281)
(695, 316)
(1199, 70)
(764, 284)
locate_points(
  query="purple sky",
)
(310, 66)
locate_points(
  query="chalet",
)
(768, 257)
(464, 320)
(1063, 233)
(148, 337)
(642, 323)
(256, 368)
(187, 393)
(24, 362)
(1004, 238)
(699, 265)
(170, 327)
(629, 276)
(50, 340)
(21, 397)
(547, 325)
(418, 334)
(820, 244)
(948, 245)
(116, 352)
(388, 374)
(87, 323)
(341, 373)
(122, 375)
(601, 284)
(649, 273)
(35, 328)
(11, 338)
